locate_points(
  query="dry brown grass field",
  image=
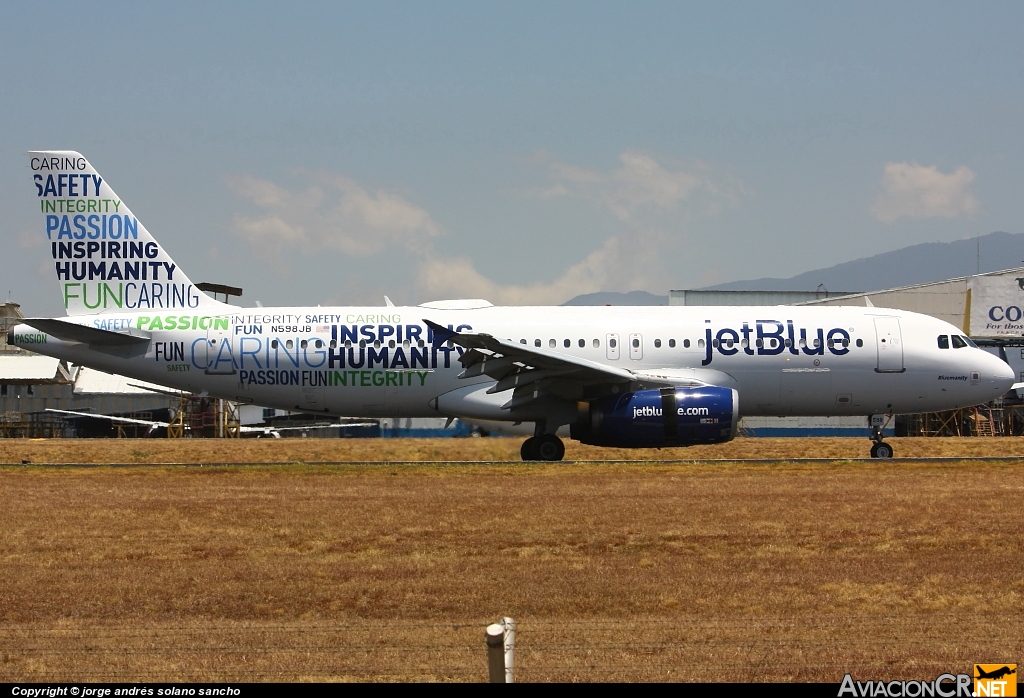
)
(698, 571)
(486, 449)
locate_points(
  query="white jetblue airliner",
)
(617, 376)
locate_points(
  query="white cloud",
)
(624, 262)
(29, 238)
(333, 212)
(916, 191)
(640, 183)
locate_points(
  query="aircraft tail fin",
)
(105, 259)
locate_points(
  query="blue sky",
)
(332, 153)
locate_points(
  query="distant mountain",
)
(917, 264)
(613, 298)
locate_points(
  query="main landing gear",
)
(879, 449)
(543, 447)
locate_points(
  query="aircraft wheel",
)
(881, 450)
(550, 447)
(528, 451)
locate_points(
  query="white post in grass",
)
(510, 648)
(495, 653)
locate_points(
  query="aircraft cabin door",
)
(219, 357)
(636, 347)
(611, 343)
(889, 340)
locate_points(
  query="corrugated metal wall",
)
(61, 397)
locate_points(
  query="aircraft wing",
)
(314, 426)
(71, 332)
(152, 424)
(532, 372)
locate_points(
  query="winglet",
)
(441, 334)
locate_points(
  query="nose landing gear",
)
(879, 449)
(544, 447)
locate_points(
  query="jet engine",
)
(666, 417)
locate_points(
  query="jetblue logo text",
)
(773, 337)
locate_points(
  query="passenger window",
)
(860, 342)
(686, 344)
(567, 344)
(597, 343)
(700, 343)
(551, 343)
(304, 344)
(672, 343)
(536, 342)
(582, 343)
(714, 342)
(288, 344)
(522, 341)
(657, 344)
(943, 341)
(273, 344)
(612, 343)
(636, 343)
(958, 342)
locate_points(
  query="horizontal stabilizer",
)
(70, 332)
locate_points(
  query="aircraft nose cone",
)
(1005, 374)
(1001, 376)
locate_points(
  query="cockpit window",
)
(970, 342)
(943, 341)
(958, 342)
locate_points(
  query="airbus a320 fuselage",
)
(618, 376)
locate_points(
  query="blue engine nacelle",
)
(666, 417)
